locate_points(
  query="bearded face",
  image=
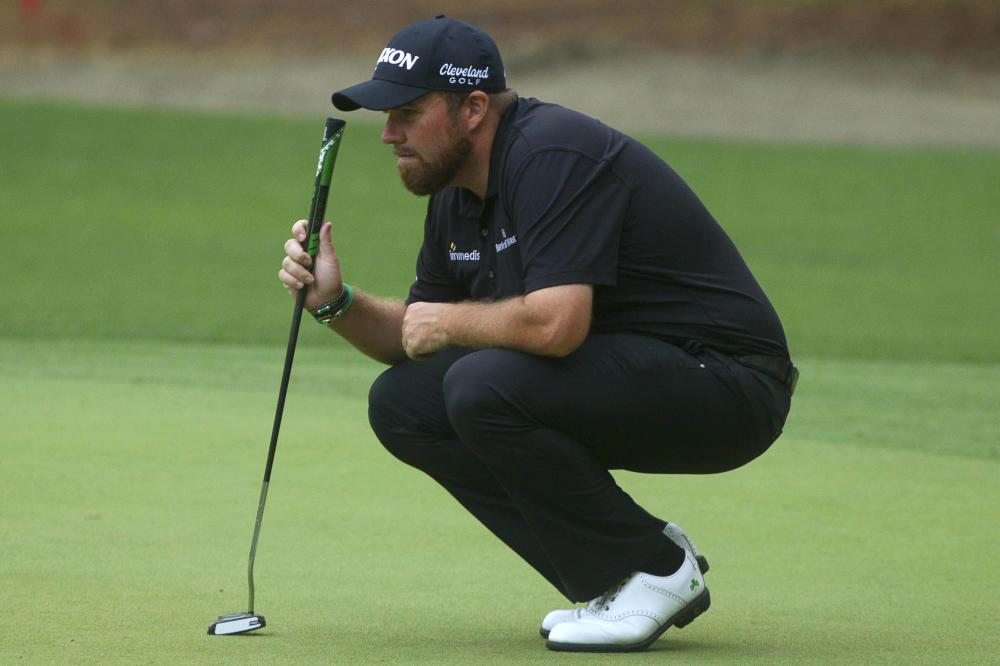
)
(430, 170)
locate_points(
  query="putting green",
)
(131, 473)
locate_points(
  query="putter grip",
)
(333, 125)
(332, 132)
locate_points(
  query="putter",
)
(241, 623)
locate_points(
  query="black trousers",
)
(525, 442)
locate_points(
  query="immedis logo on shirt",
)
(455, 254)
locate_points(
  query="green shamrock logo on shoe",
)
(694, 583)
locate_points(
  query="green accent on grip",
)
(329, 157)
(313, 244)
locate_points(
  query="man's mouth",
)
(404, 158)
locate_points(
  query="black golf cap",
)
(441, 53)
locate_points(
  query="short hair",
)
(498, 100)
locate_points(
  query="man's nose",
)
(390, 133)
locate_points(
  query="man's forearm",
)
(493, 324)
(373, 325)
(535, 326)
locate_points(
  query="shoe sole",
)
(702, 566)
(683, 618)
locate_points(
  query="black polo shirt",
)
(570, 200)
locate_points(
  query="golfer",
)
(576, 309)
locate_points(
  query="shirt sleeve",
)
(434, 282)
(569, 210)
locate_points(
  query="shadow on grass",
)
(477, 643)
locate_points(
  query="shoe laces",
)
(603, 602)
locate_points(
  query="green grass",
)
(168, 225)
(131, 473)
(141, 340)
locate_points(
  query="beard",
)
(427, 177)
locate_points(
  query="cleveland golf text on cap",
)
(441, 53)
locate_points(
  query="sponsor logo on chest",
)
(506, 242)
(454, 254)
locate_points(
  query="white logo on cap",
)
(464, 75)
(397, 57)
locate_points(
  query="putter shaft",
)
(253, 544)
(333, 131)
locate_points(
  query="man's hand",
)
(424, 331)
(325, 282)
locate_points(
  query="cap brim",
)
(376, 95)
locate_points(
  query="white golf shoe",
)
(674, 532)
(634, 613)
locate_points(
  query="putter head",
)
(236, 623)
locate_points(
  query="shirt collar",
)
(498, 149)
(470, 204)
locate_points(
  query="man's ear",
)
(474, 109)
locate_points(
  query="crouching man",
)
(576, 310)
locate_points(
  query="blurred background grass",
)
(168, 225)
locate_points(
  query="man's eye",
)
(404, 113)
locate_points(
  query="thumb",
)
(326, 240)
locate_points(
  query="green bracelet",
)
(335, 308)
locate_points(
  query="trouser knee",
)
(478, 393)
(396, 426)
